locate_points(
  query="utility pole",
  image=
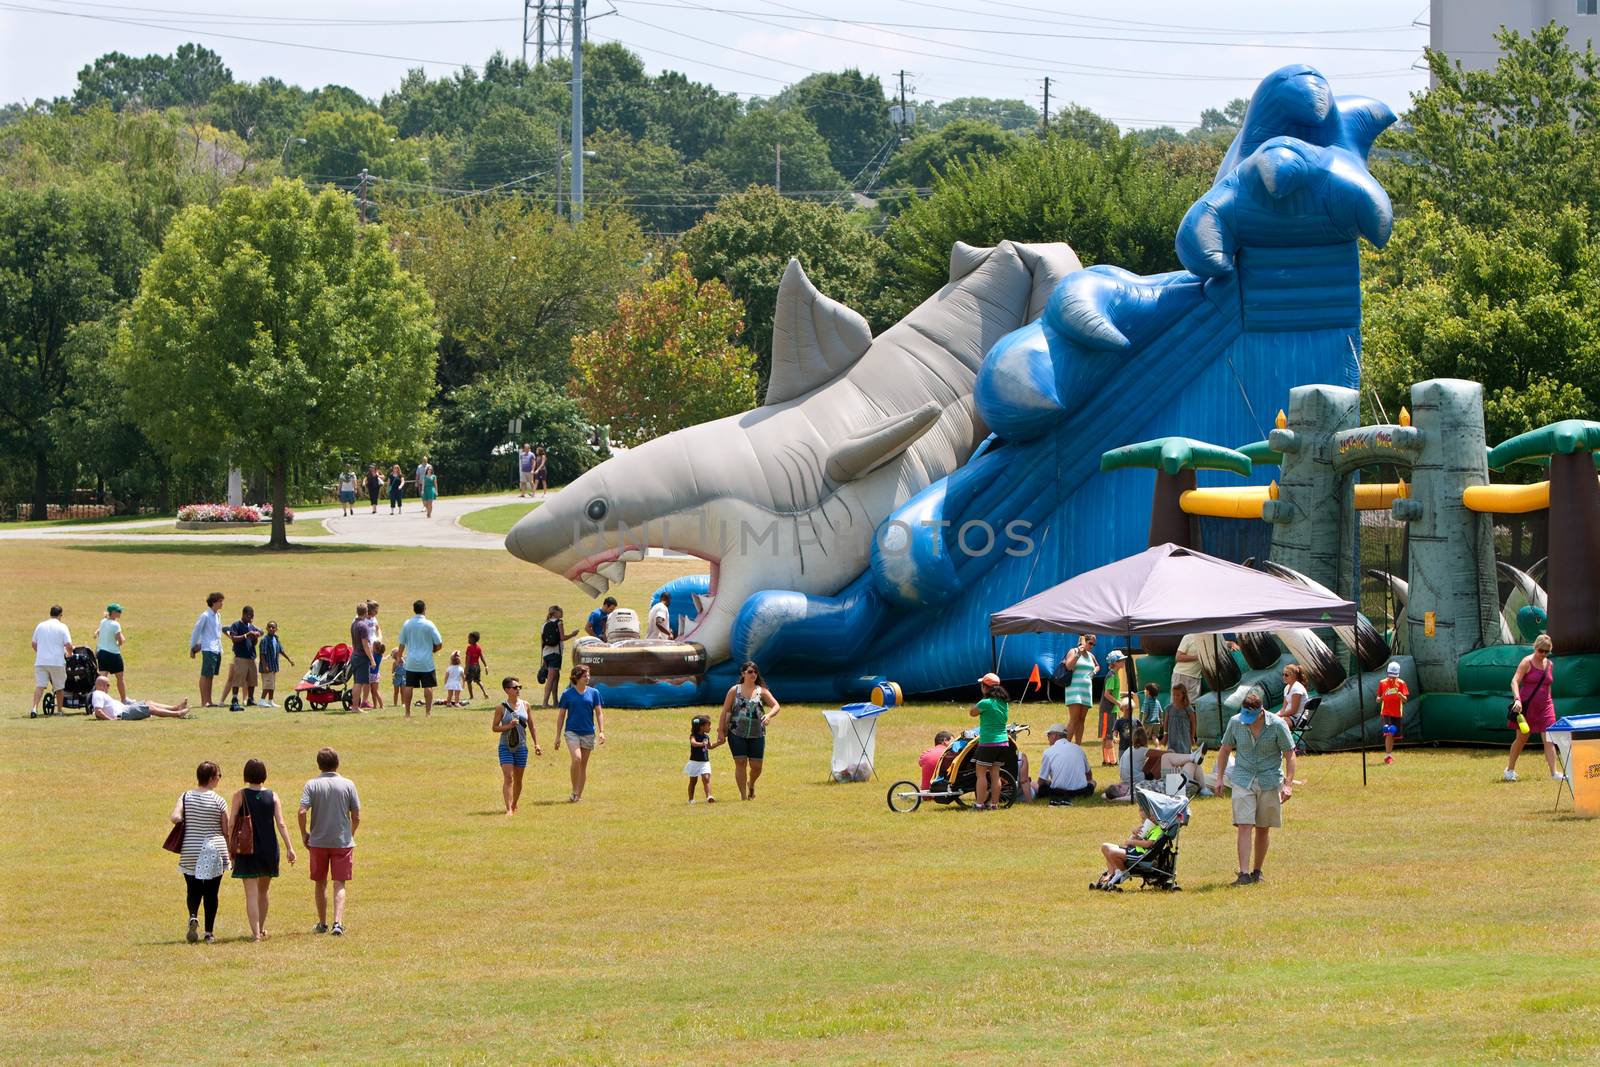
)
(904, 114)
(1047, 103)
(361, 192)
(777, 167)
(576, 9)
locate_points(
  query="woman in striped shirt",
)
(204, 816)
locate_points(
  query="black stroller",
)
(1157, 865)
(82, 670)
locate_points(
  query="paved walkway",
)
(409, 528)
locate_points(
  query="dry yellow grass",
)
(1431, 917)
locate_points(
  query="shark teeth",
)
(630, 555)
(594, 583)
(616, 570)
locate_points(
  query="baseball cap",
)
(1394, 669)
(1056, 728)
(1248, 714)
(1116, 655)
(989, 679)
(113, 607)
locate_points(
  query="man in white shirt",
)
(52, 644)
(107, 707)
(205, 641)
(1186, 666)
(659, 621)
(1064, 771)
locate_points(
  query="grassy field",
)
(1432, 916)
(498, 519)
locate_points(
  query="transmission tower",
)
(544, 29)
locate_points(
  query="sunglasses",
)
(513, 687)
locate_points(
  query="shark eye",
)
(596, 509)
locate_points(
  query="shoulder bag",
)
(1511, 708)
(513, 736)
(174, 841)
(243, 840)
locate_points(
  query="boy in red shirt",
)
(475, 665)
(928, 762)
(1392, 696)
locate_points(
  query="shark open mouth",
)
(595, 575)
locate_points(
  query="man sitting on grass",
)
(108, 707)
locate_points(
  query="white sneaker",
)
(1510, 775)
(691, 800)
(263, 703)
(1558, 777)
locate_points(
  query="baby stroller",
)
(958, 775)
(326, 682)
(82, 670)
(1157, 865)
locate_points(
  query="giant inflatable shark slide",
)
(893, 491)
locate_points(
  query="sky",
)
(1156, 63)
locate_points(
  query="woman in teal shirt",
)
(430, 491)
(994, 747)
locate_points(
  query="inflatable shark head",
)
(789, 495)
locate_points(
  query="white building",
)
(1464, 29)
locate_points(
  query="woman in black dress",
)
(259, 867)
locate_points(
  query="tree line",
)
(444, 203)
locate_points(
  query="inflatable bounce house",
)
(893, 491)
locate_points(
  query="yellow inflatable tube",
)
(1242, 503)
(1507, 499)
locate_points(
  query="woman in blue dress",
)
(1081, 665)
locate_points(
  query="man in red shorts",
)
(335, 809)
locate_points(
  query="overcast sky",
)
(1159, 62)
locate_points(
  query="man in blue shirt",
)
(419, 640)
(1262, 741)
(242, 675)
(600, 616)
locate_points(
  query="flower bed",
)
(200, 516)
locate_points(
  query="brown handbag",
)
(243, 841)
(174, 841)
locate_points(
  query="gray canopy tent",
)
(1168, 590)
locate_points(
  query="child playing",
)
(1150, 708)
(1392, 697)
(1110, 705)
(397, 674)
(452, 682)
(270, 651)
(699, 765)
(376, 688)
(476, 664)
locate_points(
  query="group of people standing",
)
(212, 835)
(376, 483)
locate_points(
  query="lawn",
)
(1432, 916)
(498, 519)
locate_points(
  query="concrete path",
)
(409, 528)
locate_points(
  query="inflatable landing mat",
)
(641, 660)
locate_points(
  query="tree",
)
(471, 439)
(276, 329)
(749, 239)
(512, 282)
(184, 79)
(340, 144)
(849, 110)
(651, 180)
(670, 359)
(1484, 146)
(926, 157)
(750, 154)
(1220, 126)
(1516, 308)
(1007, 114)
(1081, 124)
(264, 114)
(69, 257)
(690, 116)
(509, 144)
(1120, 206)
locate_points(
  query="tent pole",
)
(1133, 689)
(1217, 654)
(1355, 653)
(994, 655)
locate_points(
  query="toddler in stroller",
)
(1151, 852)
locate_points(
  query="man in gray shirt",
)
(335, 809)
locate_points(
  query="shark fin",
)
(814, 339)
(965, 258)
(862, 453)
